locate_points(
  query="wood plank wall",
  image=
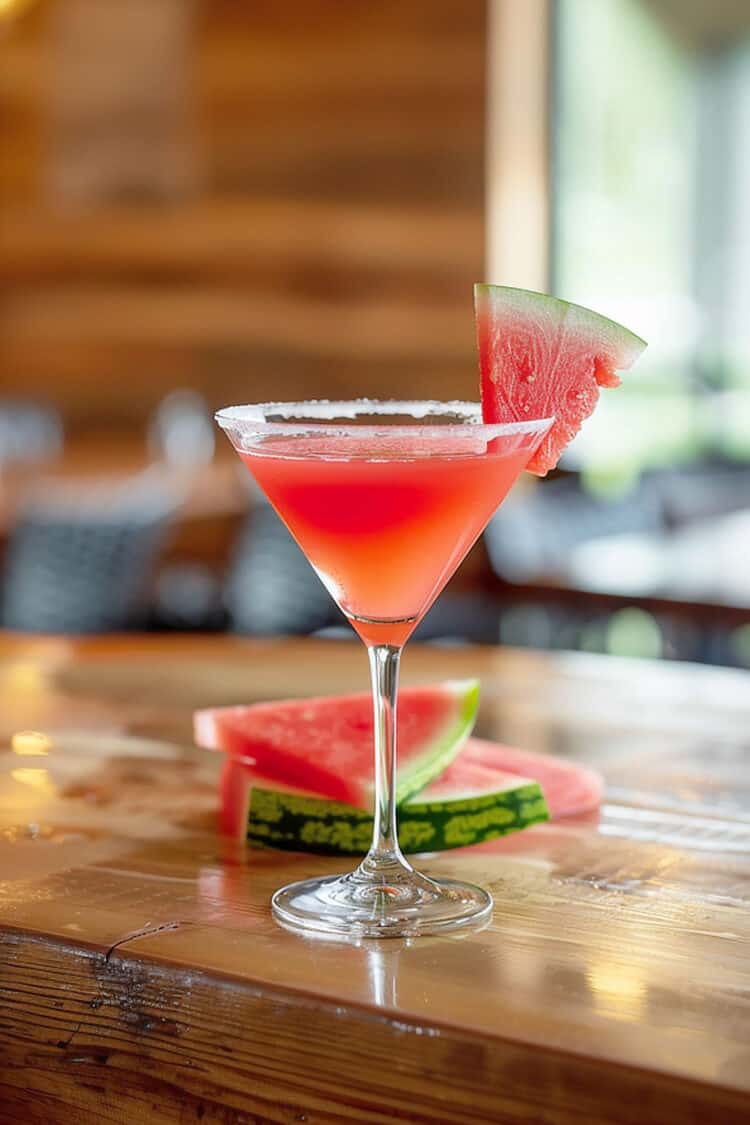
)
(304, 217)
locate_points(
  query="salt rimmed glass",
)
(385, 499)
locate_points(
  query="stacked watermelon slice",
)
(298, 774)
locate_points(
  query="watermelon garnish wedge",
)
(541, 357)
(324, 746)
(470, 803)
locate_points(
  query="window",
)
(651, 174)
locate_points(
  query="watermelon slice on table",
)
(569, 789)
(489, 790)
(470, 803)
(540, 357)
(324, 746)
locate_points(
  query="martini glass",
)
(385, 499)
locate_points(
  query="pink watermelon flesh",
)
(569, 789)
(324, 746)
(540, 357)
(466, 778)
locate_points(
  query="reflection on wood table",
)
(143, 980)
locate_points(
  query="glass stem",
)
(385, 854)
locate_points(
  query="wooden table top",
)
(142, 978)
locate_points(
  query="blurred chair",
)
(181, 430)
(532, 538)
(271, 588)
(536, 527)
(703, 491)
(188, 596)
(28, 433)
(80, 559)
(460, 619)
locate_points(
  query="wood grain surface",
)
(275, 201)
(143, 980)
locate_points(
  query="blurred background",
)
(205, 202)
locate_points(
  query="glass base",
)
(353, 907)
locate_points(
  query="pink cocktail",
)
(385, 500)
(385, 533)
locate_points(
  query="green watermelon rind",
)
(630, 344)
(420, 771)
(296, 822)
